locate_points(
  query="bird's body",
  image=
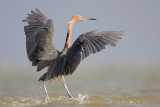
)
(42, 52)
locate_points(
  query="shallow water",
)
(91, 87)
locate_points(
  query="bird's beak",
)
(90, 19)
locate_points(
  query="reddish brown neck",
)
(68, 38)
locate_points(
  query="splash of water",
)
(81, 98)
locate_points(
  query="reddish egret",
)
(42, 52)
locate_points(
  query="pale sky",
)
(139, 18)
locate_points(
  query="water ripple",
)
(79, 100)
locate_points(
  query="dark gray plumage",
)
(42, 52)
(39, 40)
(84, 45)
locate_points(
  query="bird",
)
(42, 52)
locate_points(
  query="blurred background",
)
(132, 65)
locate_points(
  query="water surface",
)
(91, 86)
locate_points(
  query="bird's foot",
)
(47, 99)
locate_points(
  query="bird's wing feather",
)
(86, 44)
(39, 39)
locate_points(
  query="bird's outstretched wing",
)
(39, 39)
(86, 44)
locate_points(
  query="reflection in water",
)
(129, 86)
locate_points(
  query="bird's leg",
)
(44, 86)
(64, 84)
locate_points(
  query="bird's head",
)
(77, 18)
